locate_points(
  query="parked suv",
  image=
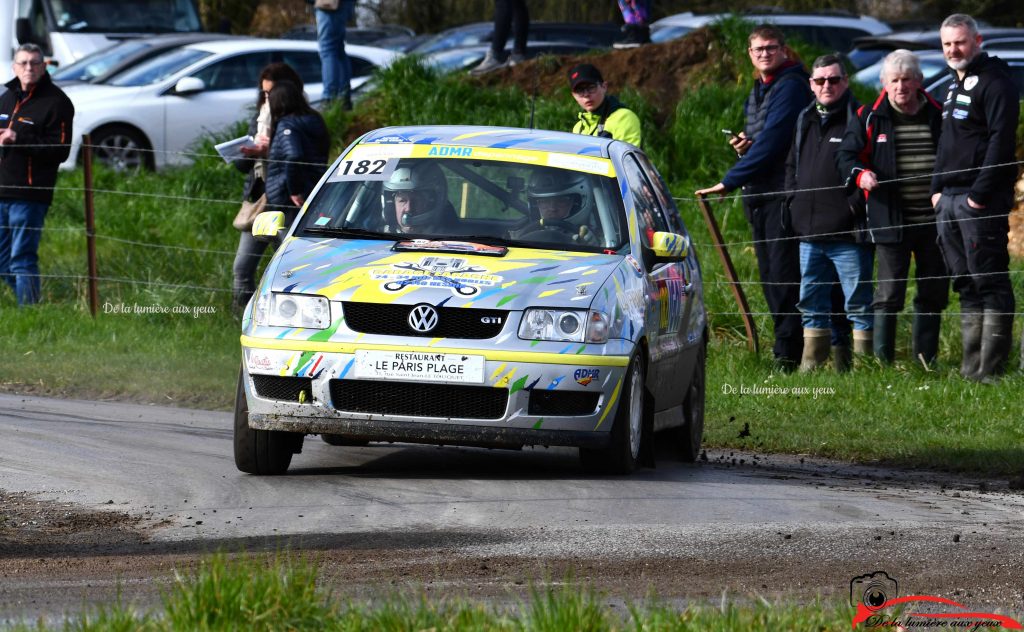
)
(835, 31)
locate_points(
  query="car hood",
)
(451, 273)
(86, 94)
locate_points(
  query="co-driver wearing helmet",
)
(560, 205)
(416, 200)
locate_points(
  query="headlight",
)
(293, 310)
(564, 324)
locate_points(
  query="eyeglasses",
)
(770, 49)
(27, 63)
(585, 88)
(833, 80)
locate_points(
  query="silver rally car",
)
(478, 286)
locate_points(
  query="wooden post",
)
(730, 273)
(90, 225)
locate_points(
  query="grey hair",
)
(30, 48)
(901, 61)
(829, 60)
(961, 20)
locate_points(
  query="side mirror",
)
(268, 226)
(665, 248)
(189, 85)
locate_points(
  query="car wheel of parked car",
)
(330, 439)
(688, 437)
(261, 451)
(121, 148)
(627, 434)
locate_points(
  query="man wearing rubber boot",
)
(887, 153)
(820, 213)
(972, 193)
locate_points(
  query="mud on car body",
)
(478, 286)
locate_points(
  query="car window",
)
(98, 63)
(649, 213)
(830, 37)
(161, 67)
(307, 64)
(240, 72)
(661, 192)
(510, 202)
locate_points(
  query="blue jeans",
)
(21, 228)
(335, 65)
(822, 263)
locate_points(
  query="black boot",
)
(996, 340)
(926, 337)
(885, 336)
(970, 336)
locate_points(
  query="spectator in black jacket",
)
(889, 154)
(972, 194)
(299, 144)
(35, 137)
(821, 215)
(776, 99)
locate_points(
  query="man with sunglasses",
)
(779, 93)
(35, 137)
(603, 114)
(822, 215)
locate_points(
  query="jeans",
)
(335, 65)
(779, 268)
(821, 264)
(21, 229)
(973, 243)
(506, 14)
(247, 259)
(919, 241)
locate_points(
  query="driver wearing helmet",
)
(415, 200)
(560, 205)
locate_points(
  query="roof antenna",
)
(533, 100)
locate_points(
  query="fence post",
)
(90, 225)
(730, 273)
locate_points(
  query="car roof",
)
(491, 137)
(929, 39)
(243, 44)
(866, 22)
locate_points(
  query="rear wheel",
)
(689, 436)
(261, 451)
(121, 148)
(627, 434)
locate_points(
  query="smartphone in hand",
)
(731, 134)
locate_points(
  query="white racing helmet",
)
(425, 179)
(547, 182)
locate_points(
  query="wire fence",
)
(125, 272)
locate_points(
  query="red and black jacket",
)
(42, 119)
(870, 145)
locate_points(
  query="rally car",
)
(478, 286)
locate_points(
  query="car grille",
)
(562, 403)
(419, 400)
(283, 388)
(453, 322)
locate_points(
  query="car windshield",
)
(492, 202)
(159, 68)
(98, 63)
(126, 16)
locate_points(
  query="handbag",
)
(247, 214)
(327, 5)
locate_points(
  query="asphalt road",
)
(782, 526)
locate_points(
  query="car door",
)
(666, 284)
(230, 90)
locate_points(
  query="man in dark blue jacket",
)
(776, 99)
(972, 192)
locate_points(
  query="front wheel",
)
(261, 451)
(622, 456)
(121, 148)
(689, 436)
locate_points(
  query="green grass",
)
(177, 253)
(259, 594)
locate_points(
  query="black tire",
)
(261, 451)
(622, 456)
(331, 439)
(689, 436)
(121, 148)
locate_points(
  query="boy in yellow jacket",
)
(603, 115)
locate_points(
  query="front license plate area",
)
(419, 367)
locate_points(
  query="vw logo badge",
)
(423, 318)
